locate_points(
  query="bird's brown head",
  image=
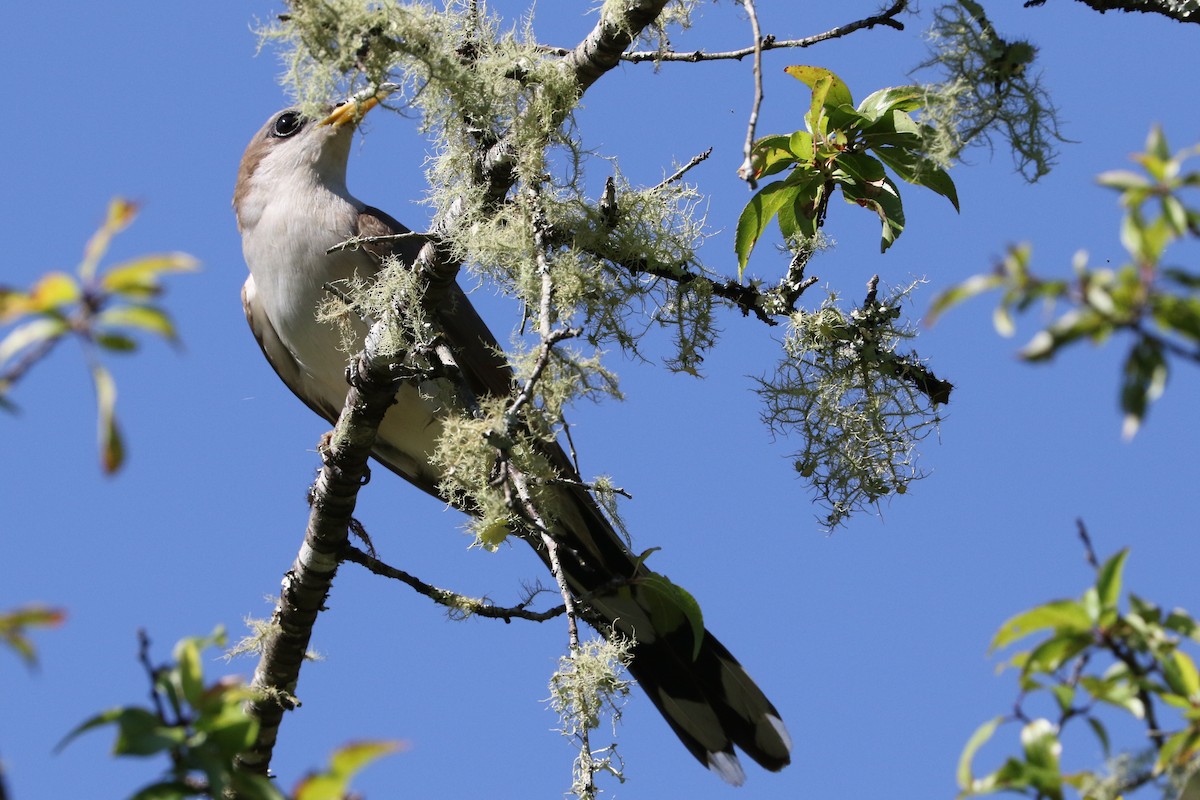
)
(292, 151)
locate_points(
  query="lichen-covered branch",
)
(460, 606)
(307, 584)
(1178, 10)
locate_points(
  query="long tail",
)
(702, 692)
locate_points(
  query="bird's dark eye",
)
(287, 124)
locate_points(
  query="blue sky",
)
(871, 641)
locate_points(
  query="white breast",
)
(284, 241)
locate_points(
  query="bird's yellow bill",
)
(351, 111)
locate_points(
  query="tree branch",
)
(587, 62)
(457, 603)
(373, 387)
(1144, 6)
(679, 173)
(746, 170)
(886, 17)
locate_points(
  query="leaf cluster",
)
(200, 727)
(1093, 655)
(841, 146)
(101, 309)
(1155, 302)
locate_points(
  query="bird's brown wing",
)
(480, 356)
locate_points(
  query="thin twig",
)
(746, 170)
(356, 242)
(886, 17)
(152, 674)
(468, 606)
(679, 173)
(591, 487)
(550, 336)
(1089, 551)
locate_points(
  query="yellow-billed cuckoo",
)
(292, 206)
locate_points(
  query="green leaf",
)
(1178, 750)
(1179, 314)
(837, 93)
(191, 674)
(1116, 689)
(1064, 695)
(815, 119)
(1175, 214)
(1108, 580)
(1144, 378)
(895, 128)
(772, 154)
(167, 790)
(797, 217)
(1062, 616)
(115, 342)
(146, 318)
(911, 167)
(1144, 240)
(1101, 734)
(121, 213)
(846, 121)
(1188, 280)
(1091, 604)
(1182, 677)
(53, 291)
(334, 783)
(247, 786)
(1156, 144)
(1182, 623)
(1123, 180)
(1070, 327)
(1056, 651)
(112, 448)
(14, 625)
(758, 214)
(352, 758)
(894, 98)
(142, 733)
(860, 168)
(800, 144)
(961, 292)
(91, 723)
(141, 276)
(884, 200)
(139, 732)
(978, 739)
(230, 728)
(29, 334)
